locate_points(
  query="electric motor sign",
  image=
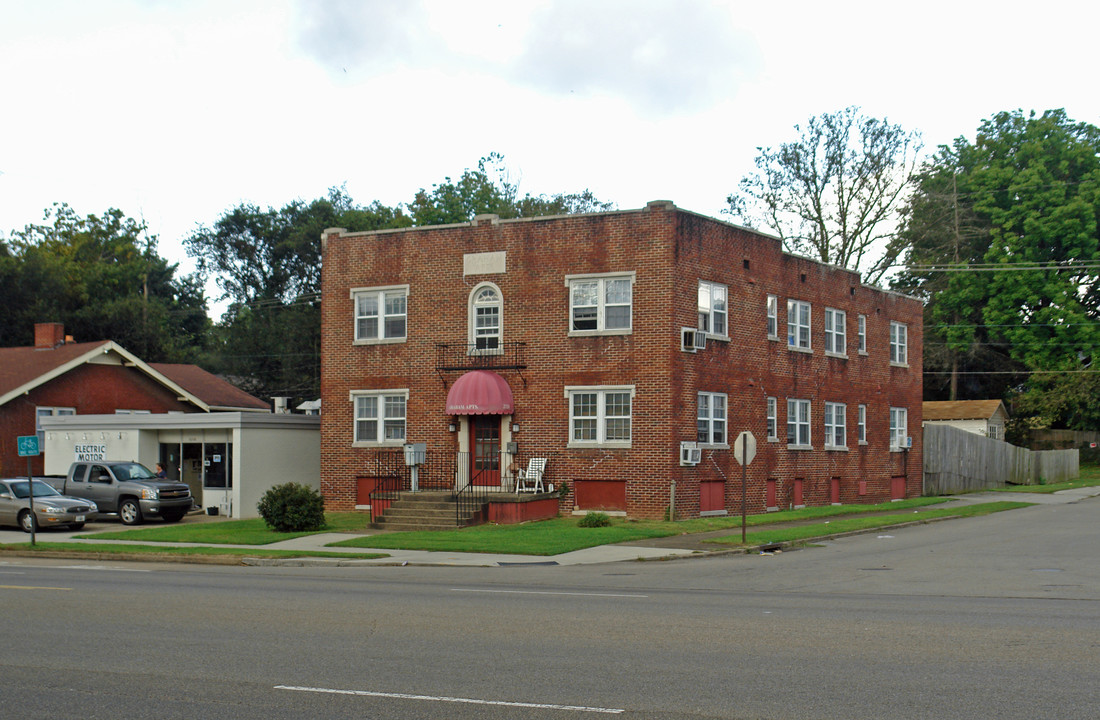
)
(90, 453)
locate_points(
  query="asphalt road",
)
(990, 617)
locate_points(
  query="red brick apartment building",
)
(628, 349)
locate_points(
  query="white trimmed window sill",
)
(799, 447)
(795, 348)
(379, 341)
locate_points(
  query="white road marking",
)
(98, 567)
(30, 587)
(444, 698)
(547, 592)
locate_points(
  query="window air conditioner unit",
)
(687, 339)
(690, 454)
(692, 340)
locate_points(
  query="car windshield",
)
(133, 471)
(41, 489)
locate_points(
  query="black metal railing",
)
(500, 472)
(393, 477)
(471, 479)
(472, 356)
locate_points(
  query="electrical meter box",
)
(415, 453)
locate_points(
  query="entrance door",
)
(485, 450)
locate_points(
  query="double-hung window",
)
(381, 314)
(773, 317)
(600, 416)
(798, 324)
(899, 427)
(836, 425)
(712, 309)
(798, 423)
(600, 303)
(899, 342)
(861, 425)
(836, 339)
(379, 416)
(712, 418)
(773, 425)
(861, 330)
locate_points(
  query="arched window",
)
(485, 319)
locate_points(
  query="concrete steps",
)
(423, 511)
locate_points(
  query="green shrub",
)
(594, 519)
(292, 508)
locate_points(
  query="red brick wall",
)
(91, 389)
(670, 251)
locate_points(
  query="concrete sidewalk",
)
(676, 546)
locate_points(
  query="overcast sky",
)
(176, 111)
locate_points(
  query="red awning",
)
(480, 392)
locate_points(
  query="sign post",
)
(744, 450)
(28, 448)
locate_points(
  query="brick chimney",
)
(48, 335)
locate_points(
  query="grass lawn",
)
(858, 523)
(552, 537)
(253, 531)
(153, 551)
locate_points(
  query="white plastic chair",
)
(530, 479)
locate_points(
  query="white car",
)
(51, 508)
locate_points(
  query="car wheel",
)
(173, 516)
(27, 521)
(129, 512)
(77, 526)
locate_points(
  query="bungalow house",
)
(984, 417)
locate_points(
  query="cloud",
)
(666, 57)
(361, 36)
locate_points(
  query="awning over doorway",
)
(480, 392)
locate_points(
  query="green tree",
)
(835, 192)
(488, 190)
(102, 277)
(1005, 248)
(267, 263)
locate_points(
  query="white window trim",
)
(381, 395)
(724, 337)
(861, 333)
(471, 321)
(796, 345)
(381, 291)
(601, 429)
(830, 428)
(55, 411)
(600, 318)
(861, 425)
(711, 420)
(904, 429)
(841, 334)
(771, 310)
(772, 417)
(809, 445)
(903, 345)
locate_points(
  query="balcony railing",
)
(470, 356)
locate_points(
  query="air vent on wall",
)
(690, 454)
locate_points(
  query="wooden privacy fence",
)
(957, 461)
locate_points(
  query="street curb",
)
(245, 560)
